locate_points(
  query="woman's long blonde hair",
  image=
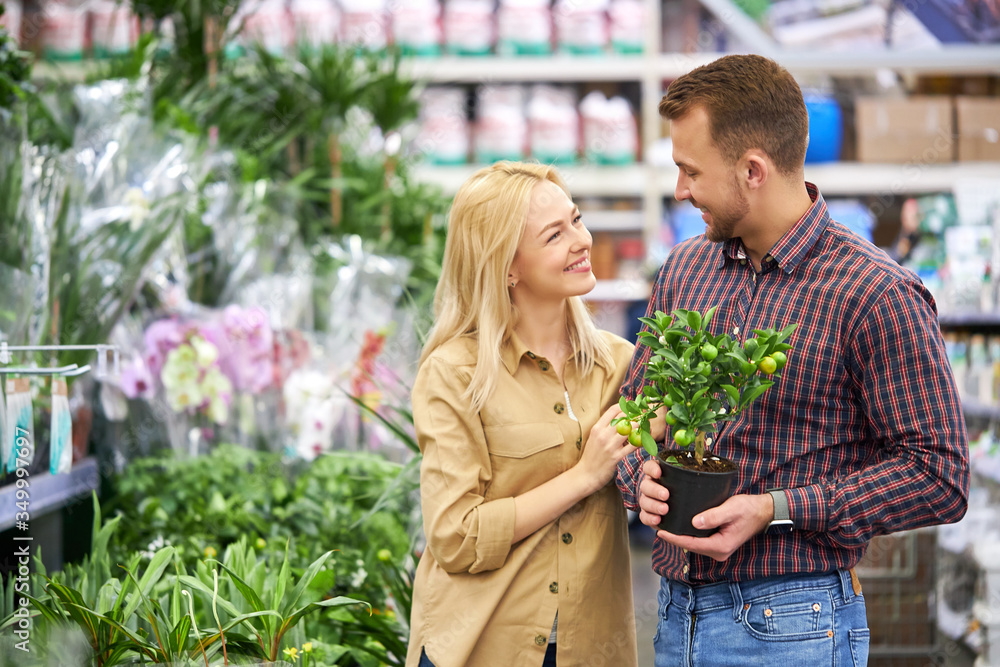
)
(485, 226)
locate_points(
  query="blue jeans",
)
(550, 658)
(789, 620)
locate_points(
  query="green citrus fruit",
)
(709, 352)
(624, 427)
(780, 359)
(768, 365)
(635, 438)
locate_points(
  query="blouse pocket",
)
(523, 456)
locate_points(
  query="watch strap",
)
(782, 518)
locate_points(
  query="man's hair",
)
(751, 102)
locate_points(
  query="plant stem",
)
(336, 208)
(699, 447)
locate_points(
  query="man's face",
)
(706, 179)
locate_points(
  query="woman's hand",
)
(602, 450)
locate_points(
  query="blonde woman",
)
(527, 548)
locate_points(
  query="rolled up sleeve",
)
(465, 531)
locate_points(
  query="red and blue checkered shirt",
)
(864, 431)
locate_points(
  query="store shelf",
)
(972, 323)
(854, 178)
(974, 409)
(47, 492)
(619, 290)
(560, 68)
(614, 221)
(626, 181)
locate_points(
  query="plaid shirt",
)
(864, 431)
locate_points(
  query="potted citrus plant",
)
(697, 381)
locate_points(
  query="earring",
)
(512, 283)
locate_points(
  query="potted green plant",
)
(697, 381)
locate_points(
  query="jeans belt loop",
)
(737, 593)
(846, 585)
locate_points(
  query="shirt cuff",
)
(496, 533)
(807, 507)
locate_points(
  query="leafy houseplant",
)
(698, 380)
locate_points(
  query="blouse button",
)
(579, 441)
(554, 587)
(544, 365)
(567, 538)
(531, 355)
(540, 640)
(558, 408)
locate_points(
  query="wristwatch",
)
(782, 522)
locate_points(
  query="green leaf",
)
(694, 320)
(303, 583)
(152, 575)
(733, 393)
(709, 315)
(648, 443)
(751, 394)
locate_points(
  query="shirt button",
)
(540, 640)
(736, 331)
(685, 550)
(544, 365)
(558, 408)
(685, 570)
(554, 587)
(767, 258)
(743, 262)
(567, 538)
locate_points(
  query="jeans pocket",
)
(791, 615)
(860, 638)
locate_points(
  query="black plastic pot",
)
(692, 492)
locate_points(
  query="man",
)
(862, 436)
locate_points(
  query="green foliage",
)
(355, 503)
(699, 378)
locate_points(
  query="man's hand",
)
(652, 497)
(738, 519)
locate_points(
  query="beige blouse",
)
(480, 600)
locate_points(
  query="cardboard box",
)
(916, 130)
(978, 124)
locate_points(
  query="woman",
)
(527, 544)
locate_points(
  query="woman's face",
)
(553, 257)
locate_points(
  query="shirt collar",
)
(791, 248)
(513, 349)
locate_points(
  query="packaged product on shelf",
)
(364, 23)
(978, 127)
(627, 20)
(316, 23)
(443, 137)
(64, 31)
(524, 27)
(825, 127)
(501, 130)
(610, 135)
(115, 28)
(602, 257)
(468, 27)
(11, 19)
(631, 259)
(914, 130)
(554, 125)
(416, 27)
(581, 26)
(969, 248)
